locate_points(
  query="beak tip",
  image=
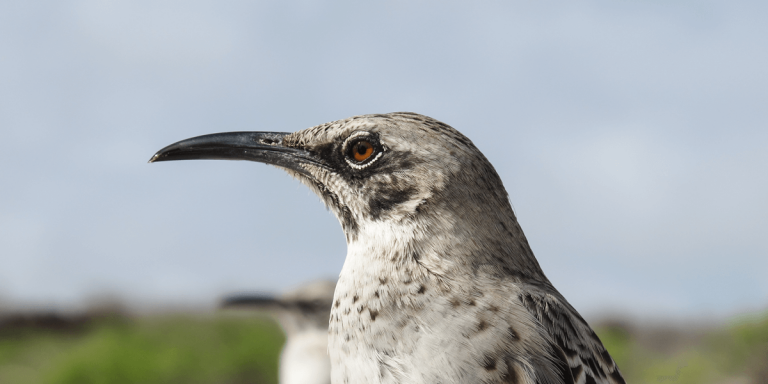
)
(154, 158)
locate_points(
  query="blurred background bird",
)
(303, 315)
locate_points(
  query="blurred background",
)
(632, 137)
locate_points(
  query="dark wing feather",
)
(577, 344)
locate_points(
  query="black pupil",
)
(362, 148)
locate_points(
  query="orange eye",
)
(362, 150)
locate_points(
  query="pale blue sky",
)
(632, 137)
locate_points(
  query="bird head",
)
(399, 173)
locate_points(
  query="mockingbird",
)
(303, 314)
(439, 283)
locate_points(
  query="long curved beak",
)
(263, 147)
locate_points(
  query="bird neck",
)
(448, 242)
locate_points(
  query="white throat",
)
(380, 280)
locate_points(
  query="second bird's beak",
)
(263, 147)
(252, 301)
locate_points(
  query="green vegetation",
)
(240, 350)
(170, 349)
(733, 354)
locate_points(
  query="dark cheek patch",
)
(387, 197)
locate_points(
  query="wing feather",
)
(578, 345)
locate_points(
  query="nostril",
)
(268, 141)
